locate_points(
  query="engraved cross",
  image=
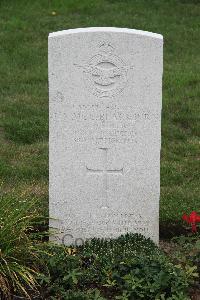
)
(105, 171)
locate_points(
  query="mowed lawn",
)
(24, 28)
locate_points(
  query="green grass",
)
(24, 89)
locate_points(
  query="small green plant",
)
(19, 256)
(187, 256)
(150, 277)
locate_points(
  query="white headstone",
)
(105, 89)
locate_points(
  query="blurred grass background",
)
(24, 28)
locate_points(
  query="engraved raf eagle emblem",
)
(105, 74)
(102, 76)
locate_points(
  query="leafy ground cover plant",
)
(184, 251)
(129, 267)
(19, 250)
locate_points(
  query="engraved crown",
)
(106, 46)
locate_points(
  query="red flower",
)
(192, 219)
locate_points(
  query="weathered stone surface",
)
(105, 116)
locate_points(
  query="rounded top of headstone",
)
(106, 29)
